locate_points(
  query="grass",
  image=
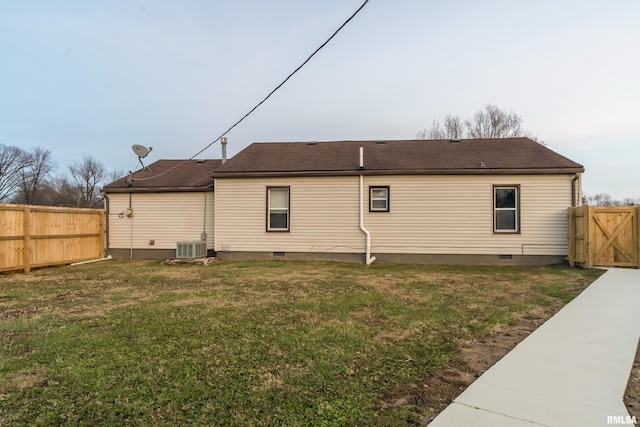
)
(248, 343)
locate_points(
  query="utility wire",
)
(264, 99)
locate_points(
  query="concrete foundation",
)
(142, 253)
(400, 258)
(120, 253)
(357, 258)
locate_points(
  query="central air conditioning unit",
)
(191, 249)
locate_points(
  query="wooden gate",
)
(604, 237)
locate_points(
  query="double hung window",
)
(378, 199)
(506, 209)
(277, 208)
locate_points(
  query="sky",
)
(93, 78)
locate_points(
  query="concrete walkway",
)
(572, 371)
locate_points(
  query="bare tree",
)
(12, 160)
(79, 187)
(37, 167)
(490, 122)
(434, 132)
(604, 199)
(601, 199)
(115, 175)
(87, 176)
(452, 129)
(57, 191)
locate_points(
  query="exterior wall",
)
(454, 215)
(324, 215)
(159, 220)
(437, 215)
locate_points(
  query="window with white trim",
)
(277, 208)
(506, 209)
(379, 199)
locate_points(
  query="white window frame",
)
(515, 209)
(386, 199)
(271, 210)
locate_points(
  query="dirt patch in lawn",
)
(632, 395)
(438, 390)
(24, 379)
(481, 355)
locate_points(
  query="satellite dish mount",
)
(142, 152)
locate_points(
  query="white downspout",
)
(215, 217)
(368, 258)
(130, 228)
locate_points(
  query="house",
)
(151, 210)
(491, 201)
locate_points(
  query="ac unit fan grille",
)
(191, 249)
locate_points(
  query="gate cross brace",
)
(611, 238)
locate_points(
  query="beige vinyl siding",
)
(429, 214)
(454, 215)
(324, 215)
(165, 218)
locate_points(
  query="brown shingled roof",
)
(467, 156)
(193, 175)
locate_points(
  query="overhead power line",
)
(265, 98)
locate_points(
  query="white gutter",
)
(368, 258)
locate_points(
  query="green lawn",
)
(248, 343)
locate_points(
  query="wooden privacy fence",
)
(604, 236)
(37, 236)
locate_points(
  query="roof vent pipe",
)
(361, 157)
(223, 142)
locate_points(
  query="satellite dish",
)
(140, 150)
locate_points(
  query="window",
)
(277, 208)
(378, 199)
(506, 209)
